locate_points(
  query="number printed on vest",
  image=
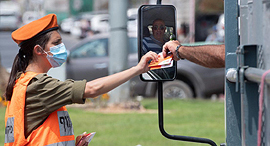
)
(65, 124)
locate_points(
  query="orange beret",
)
(35, 28)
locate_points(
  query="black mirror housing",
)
(156, 26)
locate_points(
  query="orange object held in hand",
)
(162, 62)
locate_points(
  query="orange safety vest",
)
(56, 130)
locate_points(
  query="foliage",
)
(209, 6)
(100, 101)
(3, 102)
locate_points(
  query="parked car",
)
(217, 33)
(203, 25)
(10, 18)
(67, 24)
(29, 16)
(89, 23)
(89, 60)
(85, 22)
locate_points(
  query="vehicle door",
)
(89, 61)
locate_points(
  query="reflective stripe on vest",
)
(64, 143)
(55, 130)
(9, 135)
(65, 124)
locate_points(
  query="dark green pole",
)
(233, 99)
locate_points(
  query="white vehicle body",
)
(9, 15)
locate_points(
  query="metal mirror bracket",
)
(161, 124)
(175, 137)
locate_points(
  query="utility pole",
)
(118, 47)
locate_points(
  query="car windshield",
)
(99, 48)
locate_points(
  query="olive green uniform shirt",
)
(45, 94)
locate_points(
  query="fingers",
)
(165, 49)
(79, 137)
(170, 47)
(151, 55)
(144, 62)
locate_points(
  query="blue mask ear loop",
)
(43, 50)
(45, 53)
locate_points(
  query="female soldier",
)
(36, 113)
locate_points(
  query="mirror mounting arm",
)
(175, 137)
(158, 2)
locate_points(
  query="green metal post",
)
(233, 100)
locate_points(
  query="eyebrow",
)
(57, 41)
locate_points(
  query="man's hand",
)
(171, 47)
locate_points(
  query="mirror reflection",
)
(157, 26)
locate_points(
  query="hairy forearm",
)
(105, 84)
(212, 56)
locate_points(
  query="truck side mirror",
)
(156, 26)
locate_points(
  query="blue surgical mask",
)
(59, 55)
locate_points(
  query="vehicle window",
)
(104, 20)
(133, 45)
(96, 48)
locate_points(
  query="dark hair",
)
(22, 59)
(158, 19)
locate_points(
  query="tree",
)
(210, 6)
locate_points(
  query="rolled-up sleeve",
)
(78, 92)
(52, 93)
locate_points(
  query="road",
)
(9, 49)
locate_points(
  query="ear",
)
(38, 50)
